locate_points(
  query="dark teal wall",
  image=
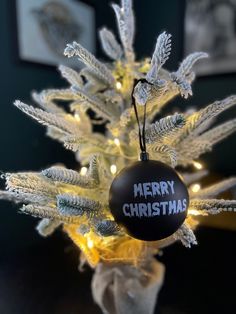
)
(24, 145)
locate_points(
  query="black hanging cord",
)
(142, 137)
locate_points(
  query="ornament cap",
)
(144, 156)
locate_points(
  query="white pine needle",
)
(90, 61)
(47, 226)
(185, 235)
(160, 56)
(71, 76)
(109, 44)
(217, 188)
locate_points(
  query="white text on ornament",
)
(155, 208)
(153, 188)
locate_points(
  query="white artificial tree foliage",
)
(78, 201)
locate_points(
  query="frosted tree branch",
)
(125, 21)
(213, 206)
(106, 228)
(71, 205)
(186, 66)
(8, 196)
(183, 76)
(38, 211)
(52, 120)
(30, 187)
(90, 61)
(194, 121)
(216, 188)
(160, 56)
(165, 150)
(68, 176)
(193, 177)
(164, 128)
(97, 105)
(109, 44)
(47, 226)
(219, 133)
(185, 235)
(71, 76)
(49, 106)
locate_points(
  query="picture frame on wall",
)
(45, 27)
(210, 26)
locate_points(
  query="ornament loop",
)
(142, 137)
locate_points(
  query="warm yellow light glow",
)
(111, 249)
(83, 171)
(197, 165)
(117, 141)
(118, 85)
(113, 169)
(77, 117)
(193, 212)
(90, 243)
(195, 187)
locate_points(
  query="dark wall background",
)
(24, 145)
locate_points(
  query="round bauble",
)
(149, 200)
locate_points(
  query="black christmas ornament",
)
(148, 198)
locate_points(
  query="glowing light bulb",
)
(118, 85)
(117, 141)
(113, 169)
(197, 165)
(195, 187)
(194, 212)
(77, 117)
(83, 171)
(90, 243)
